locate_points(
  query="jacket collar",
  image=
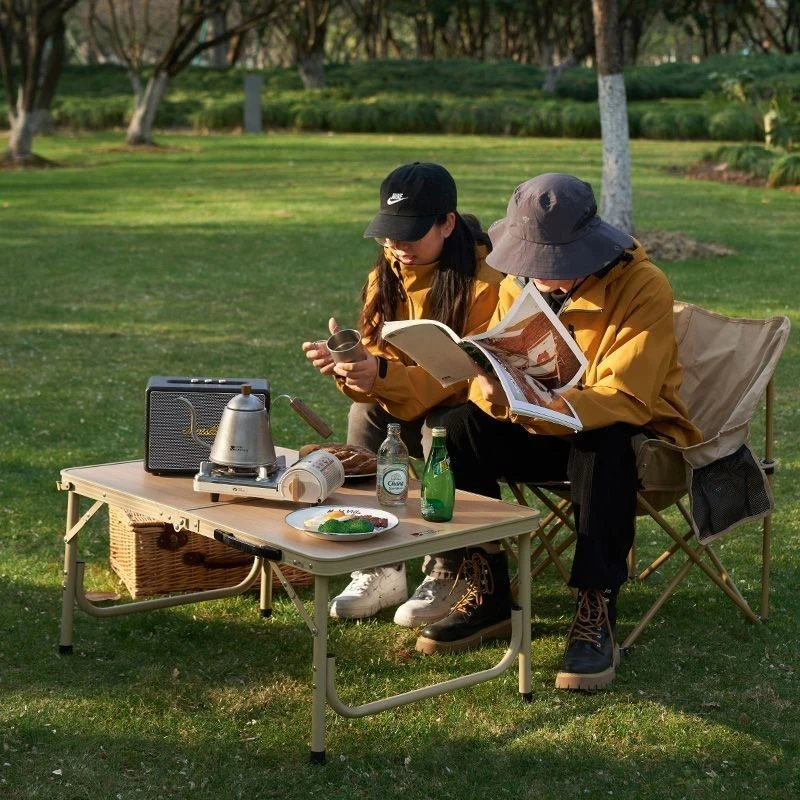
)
(591, 296)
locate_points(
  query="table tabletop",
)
(262, 522)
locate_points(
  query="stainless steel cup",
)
(345, 346)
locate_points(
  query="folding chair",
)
(728, 365)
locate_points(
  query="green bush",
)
(277, 113)
(312, 116)
(754, 158)
(223, 115)
(580, 121)
(658, 125)
(691, 124)
(735, 123)
(785, 171)
(544, 120)
(91, 113)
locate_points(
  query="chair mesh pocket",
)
(727, 492)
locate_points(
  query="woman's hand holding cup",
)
(318, 353)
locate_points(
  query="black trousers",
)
(599, 464)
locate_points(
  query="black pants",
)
(599, 464)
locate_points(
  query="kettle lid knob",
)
(246, 388)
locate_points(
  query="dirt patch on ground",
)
(145, 148)
(665, 246)
(30, 162)
(711, 171)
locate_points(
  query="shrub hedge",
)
(415, 96)
(491, 116)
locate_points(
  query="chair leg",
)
(660, 600)
(632, 561)
(765, 566)
(696, 556)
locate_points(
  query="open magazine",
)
(529, 352)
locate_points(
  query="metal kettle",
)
(244, 434)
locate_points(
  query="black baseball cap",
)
(412, 198)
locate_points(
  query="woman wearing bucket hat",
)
(618, 307)
(431, 264)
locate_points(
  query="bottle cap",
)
(393, 427)
(439, 432)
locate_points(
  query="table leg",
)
(320, 669)
(524, 599)
(265, 597)
(70, 573)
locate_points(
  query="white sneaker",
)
(431, 602)
(369, 591)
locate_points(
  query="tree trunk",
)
(20, 136)
(42, 121)
(140, 128)
(219, 52)
(617, 199)
(312, 69)
(552, 77)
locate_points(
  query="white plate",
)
(297, 518)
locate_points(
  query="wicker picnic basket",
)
(152, 558)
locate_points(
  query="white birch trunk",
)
(21, 133)
(140, 128)
(617, 198)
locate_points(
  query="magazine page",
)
(532, 339)
(527, 397)
(433, 346)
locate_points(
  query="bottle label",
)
(395, 481)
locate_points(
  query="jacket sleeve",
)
(631, 368)
(407, 391)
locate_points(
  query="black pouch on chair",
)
(728, 492)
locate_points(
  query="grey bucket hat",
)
(551, 230)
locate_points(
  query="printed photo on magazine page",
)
(529, 351)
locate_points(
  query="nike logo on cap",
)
(395, 198)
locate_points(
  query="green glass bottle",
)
(438, 491)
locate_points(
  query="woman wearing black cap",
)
(618, 307)
(431, 265)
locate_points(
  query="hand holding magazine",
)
(529, 352)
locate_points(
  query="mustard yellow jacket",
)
(407, 391)
(622, 322)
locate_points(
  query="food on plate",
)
(336, 520)
(356, 460)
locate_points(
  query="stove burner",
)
(226, 471)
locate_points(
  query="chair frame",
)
(558, 518)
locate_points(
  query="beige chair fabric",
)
(728, 363)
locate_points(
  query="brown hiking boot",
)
(592, 654)
(482, 613)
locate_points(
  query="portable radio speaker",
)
(169, 448)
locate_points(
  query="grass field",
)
(218, 256)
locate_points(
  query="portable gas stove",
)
(259, 482)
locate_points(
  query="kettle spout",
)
(193, 423)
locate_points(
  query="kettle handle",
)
(310, 417)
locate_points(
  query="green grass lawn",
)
(219, 257)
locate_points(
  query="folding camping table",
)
(257, 527)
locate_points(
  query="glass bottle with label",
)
(438, 490)
(392, 477)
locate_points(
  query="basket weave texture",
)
(152, 558)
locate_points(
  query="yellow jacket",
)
(623, 324)
(408, 391)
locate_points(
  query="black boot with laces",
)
(483, 612)
(592, 654)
